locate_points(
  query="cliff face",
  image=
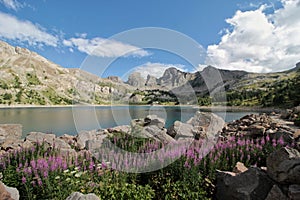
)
(28, 78)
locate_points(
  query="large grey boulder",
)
(8, 193)
(157, 133)
(253, 184)
(209, 122)
(94, 145)
(10, 132)
(179, 129)
(84, 136)
(80, 196)
(40, 137)
(154, 120)
(284, 166)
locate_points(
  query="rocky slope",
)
(28, 78)
(240, 87)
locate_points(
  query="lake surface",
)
(60, 120)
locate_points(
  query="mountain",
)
(28, 78)
(239, 87)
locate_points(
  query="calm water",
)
(61, 120)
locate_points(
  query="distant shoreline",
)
(202, 108)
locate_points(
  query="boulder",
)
(239, 168)
(179, 129)
(154, 120)
(255, 130)
(27, 144)
(8, 193)
(80, 196)
(84, 136)
(211, 123)
(11, 144)
(94, 145)
(157, 134)
(69, 139)
(40, 137)
(285, 135)
(294, 192)
(284, 166)
(118, 129)
(61, 144)
(253, 184)
(276, 194)
(10, 132)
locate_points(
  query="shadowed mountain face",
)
(176, 80)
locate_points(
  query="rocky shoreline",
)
(201, 126)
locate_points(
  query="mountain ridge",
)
(28, 78)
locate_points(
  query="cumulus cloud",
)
(156, 69)
(260, 42)
(25, 31)
(12, 4)
(102, 47)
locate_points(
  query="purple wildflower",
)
(23, 180)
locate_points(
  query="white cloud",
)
(156, 69)
(12, 4)
(25, 31)
(260, 42)
(102, 47)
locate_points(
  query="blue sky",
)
(257, 36)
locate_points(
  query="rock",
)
(286, 114)
(296, 110)
(251, 184)
(119, 129)
(154, 120)
(284, 166)
(94, 145)
(68, 153)
(80, 196)
(84, 136)
(115, 79)
(239, 168)
(10, 132)
(179, 129)
(69, 139)
(40, 137)
(296, 135)
(151, 81)
(156, 133)
(27, 144)
(61, 144)
(294, 192)
(256, 130)
(285, 135)
(8, 193)
(211, 123)
(173, 77)
(11, 144)
(135, 79)
(276, 194)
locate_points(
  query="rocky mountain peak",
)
(135, 79)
